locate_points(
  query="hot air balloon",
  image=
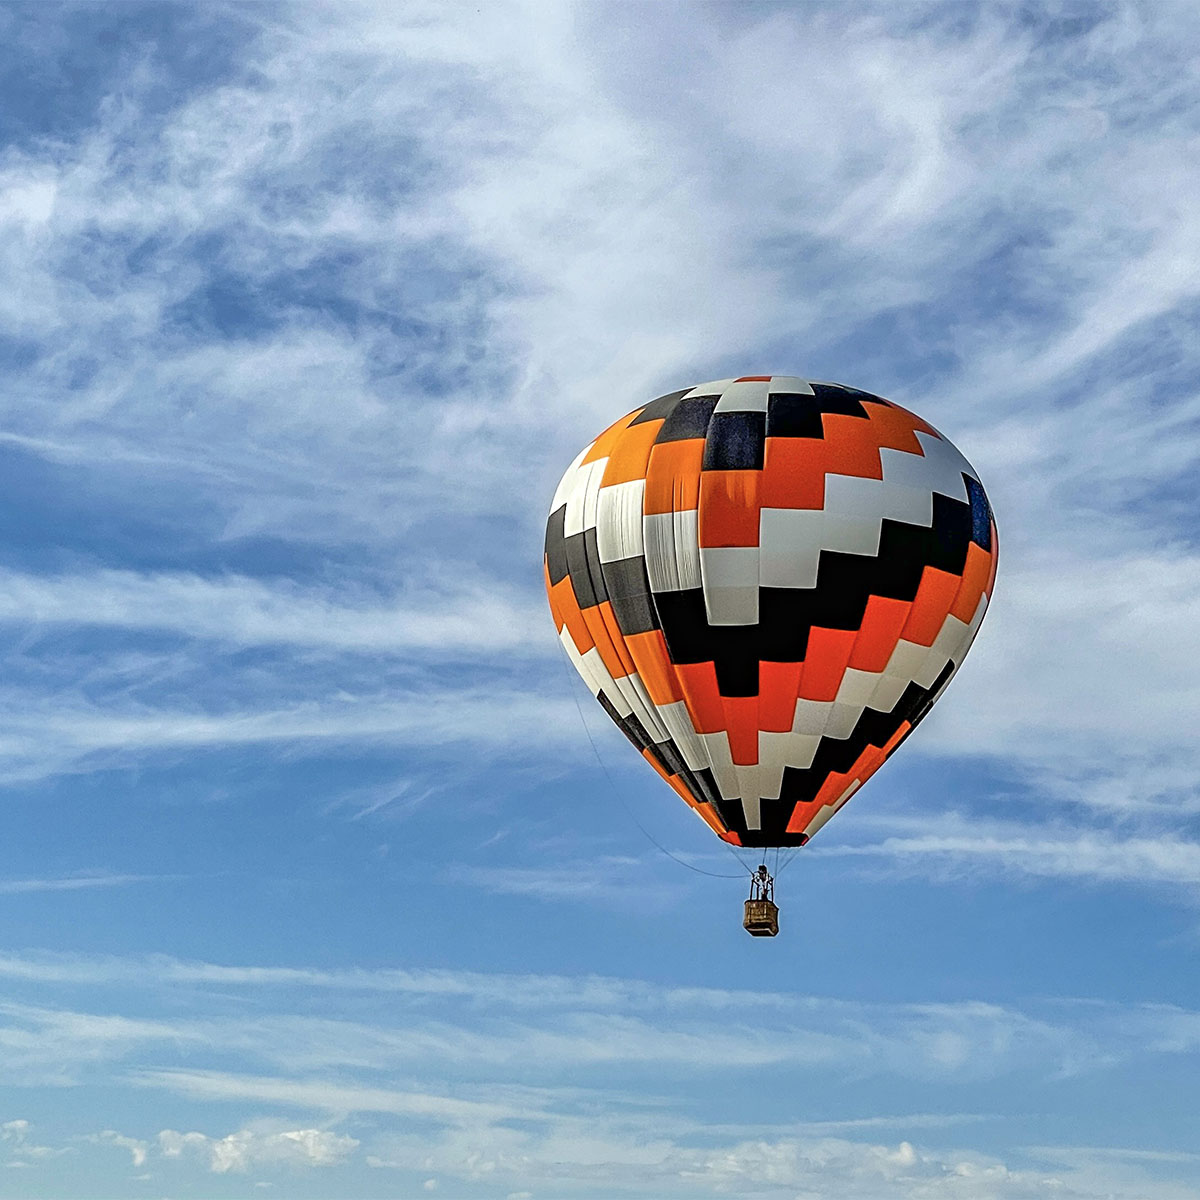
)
(766, 583)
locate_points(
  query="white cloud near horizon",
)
(552, 1079)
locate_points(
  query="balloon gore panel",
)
(766, 583)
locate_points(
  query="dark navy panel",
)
(688, 419)
(981, 513)
(793, 414)
(735, 441)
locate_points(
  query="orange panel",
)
(802, 814)
(896, 428)
(852, 447)
(673, 476)
(896, 738)
(709, 813)
(603, 445)
(882, 622)
(729, 508)
(699, 684)
(754, 379)
(991, 583)
(778, 686)
(629, 454)
(649, 654)
(567, 612)
(974, 579)
(828, 655)
(602, 624)
(793, 473)
(732, 838)
(930, 606)
(741, 722)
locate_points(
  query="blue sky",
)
(311, 882)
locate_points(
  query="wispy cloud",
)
(72, 883)
(970, 847)
(489, 620)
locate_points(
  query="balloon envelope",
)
(766, 583)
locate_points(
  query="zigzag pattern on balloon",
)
(766, 583)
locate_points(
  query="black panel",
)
(629, 590)
(833, 398)
(782, 625)
(794, 414)
(688, 419)
(556, 548)
(684, 622)
(921, 710)
(670, 758)
(735, 441)
(587, 583)
(735, 654)
(704, 785)
(659, 409)
(630, 726)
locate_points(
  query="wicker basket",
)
(762, 918)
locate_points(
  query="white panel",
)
(857, 686)
(887, 692)
(906, 660)
(721, 763)
(582, 497)
(867, 501)
(619, 520)
(713, 388)
(949, 638)
(591, 493)
(672, 554)
(790, 546)
(647, 710)
(567, 481)
(752, 810)
(779, 750)
(939, 469)
(772, 758)
(678, 723)
(750, 396)
(811, 716)
(842, 720)
(790, 383)
(730, 578)
(748, 780)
